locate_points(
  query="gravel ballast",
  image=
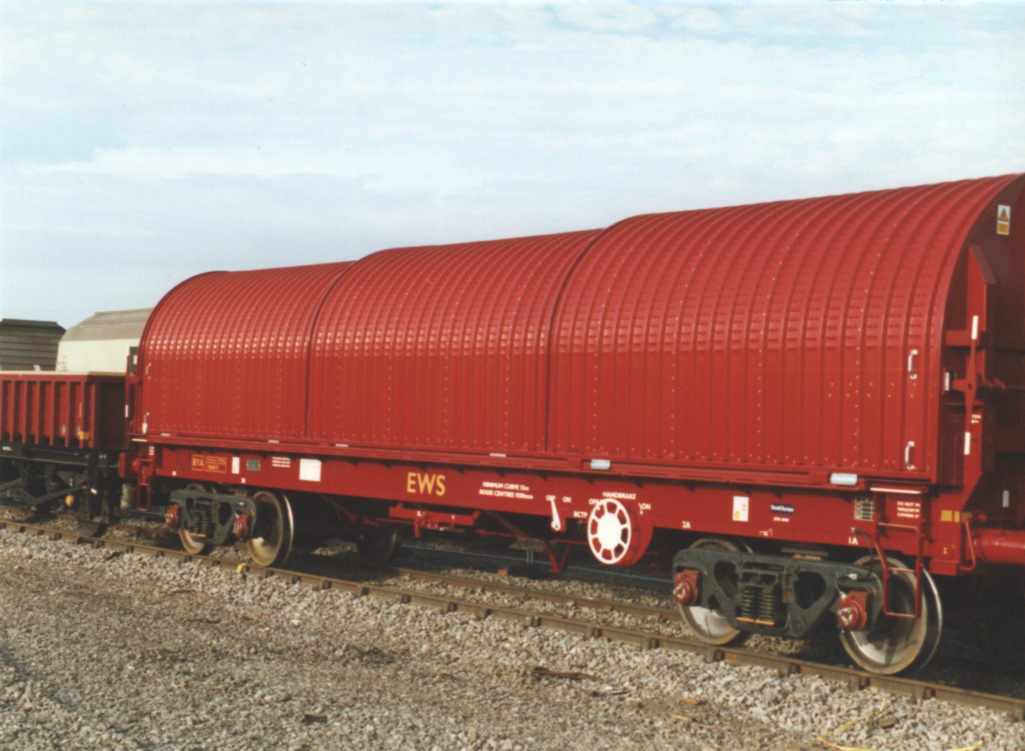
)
(102, 650)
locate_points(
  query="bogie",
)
(725, 593)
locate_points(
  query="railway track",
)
(574, 601)
(1013, 708)
(506, 560)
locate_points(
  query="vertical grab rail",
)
(888, 570)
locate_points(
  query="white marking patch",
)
(741, 508)
(513, 490)
(234, 465)
(909, 509)
(309, 470)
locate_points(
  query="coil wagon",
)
(812, 408)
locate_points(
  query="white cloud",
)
(397, 170)
(606, 17)
(702, 20)
(81, 230)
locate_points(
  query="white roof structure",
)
(101, 342)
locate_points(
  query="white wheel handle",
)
(609, 531)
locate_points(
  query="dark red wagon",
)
(64, 433)
(70, 410)
(815, 404)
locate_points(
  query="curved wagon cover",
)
(798, 335)
(442, 347)
(777, 342)
(224, 354)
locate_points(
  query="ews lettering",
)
(419, 483)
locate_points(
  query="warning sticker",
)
(1003, 220)
(741, 508)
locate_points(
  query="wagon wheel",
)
(895, 645)
(194, 544)
(707, 624)
(274, 536)
(377, 546)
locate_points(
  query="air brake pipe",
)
(1005, 546)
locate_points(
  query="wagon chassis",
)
(85, 479)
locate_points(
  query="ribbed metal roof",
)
(442, 346)
(225, 353)
(770, 335)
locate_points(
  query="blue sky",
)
(143, 142)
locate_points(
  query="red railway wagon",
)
(815, 404)
(64, 433)
(817, 401)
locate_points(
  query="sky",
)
(144, 142)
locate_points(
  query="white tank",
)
(101, 342)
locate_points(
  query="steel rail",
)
(784, 666)
(575, 601)
(601, 573)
